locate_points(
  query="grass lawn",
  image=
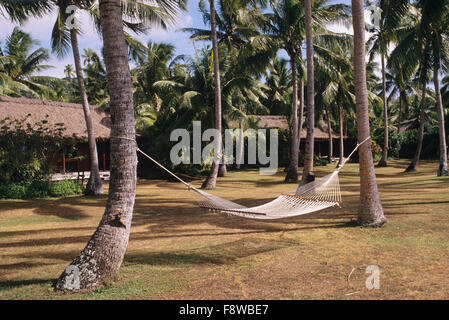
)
(178, 251)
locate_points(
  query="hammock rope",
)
(314, 196)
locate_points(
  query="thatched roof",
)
(70, 114)
(281, 122)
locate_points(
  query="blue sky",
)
(40, 29)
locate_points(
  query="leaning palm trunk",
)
(442, 170)
(94, 185)
(342, 146)
(301, 105)
(222, 168)
(292, 172)
(301, 111)
(239, 155)
(329, 132)
(100, 260)
(307, 174)
(370, 210)
(412, 166)
(211, 180)
(383, 160)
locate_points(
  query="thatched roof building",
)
(70, 114)
(281, 122)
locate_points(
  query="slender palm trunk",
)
(94, 185)
(292, 172)
(307, 174)
(342, 146)
(412, 166)
(301, 105)
(239, 156)
(442, 170)
(211, 180)
(222, 168)
(400, 112)
(406, 107)
(403, 106)
(100, 260)
(383, 160)
(329, 132)
(370, 210)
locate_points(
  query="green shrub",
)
(13, 191)
(36, 189)
(39, 189)
(65, 188)
(377, 157)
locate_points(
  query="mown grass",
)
(178, 251)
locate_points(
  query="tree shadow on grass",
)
(45, 242)
(10, 284)
(19, 265)
(225, 253)
(60, 210)
(5, 234)
(65, 208)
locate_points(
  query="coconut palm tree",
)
(154, 67)
(88, 56)
(189, 93)
(96, 80)
(399, 82)
(19, 64)
(370, 209)
(307, 174)
(286, 28)
(422, 121)
(20, 10)
(391, 14)
(236, 22)
(65, 35)
(69, 72)
(434, 29)
(425, 43)
(131, 9)
(286, 24)
(278, 81)
(100, 260)
(211, 180)
(335, 79)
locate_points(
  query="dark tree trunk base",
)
(382, 163)
(211, 180)
(209, 184)
(94, 186)
(411, 168)
(222, 170)
(442, 171)
(310, 177)
(373, 224)
(292, 175)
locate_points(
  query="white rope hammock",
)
(317, 195)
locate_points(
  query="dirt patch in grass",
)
(178, 251)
